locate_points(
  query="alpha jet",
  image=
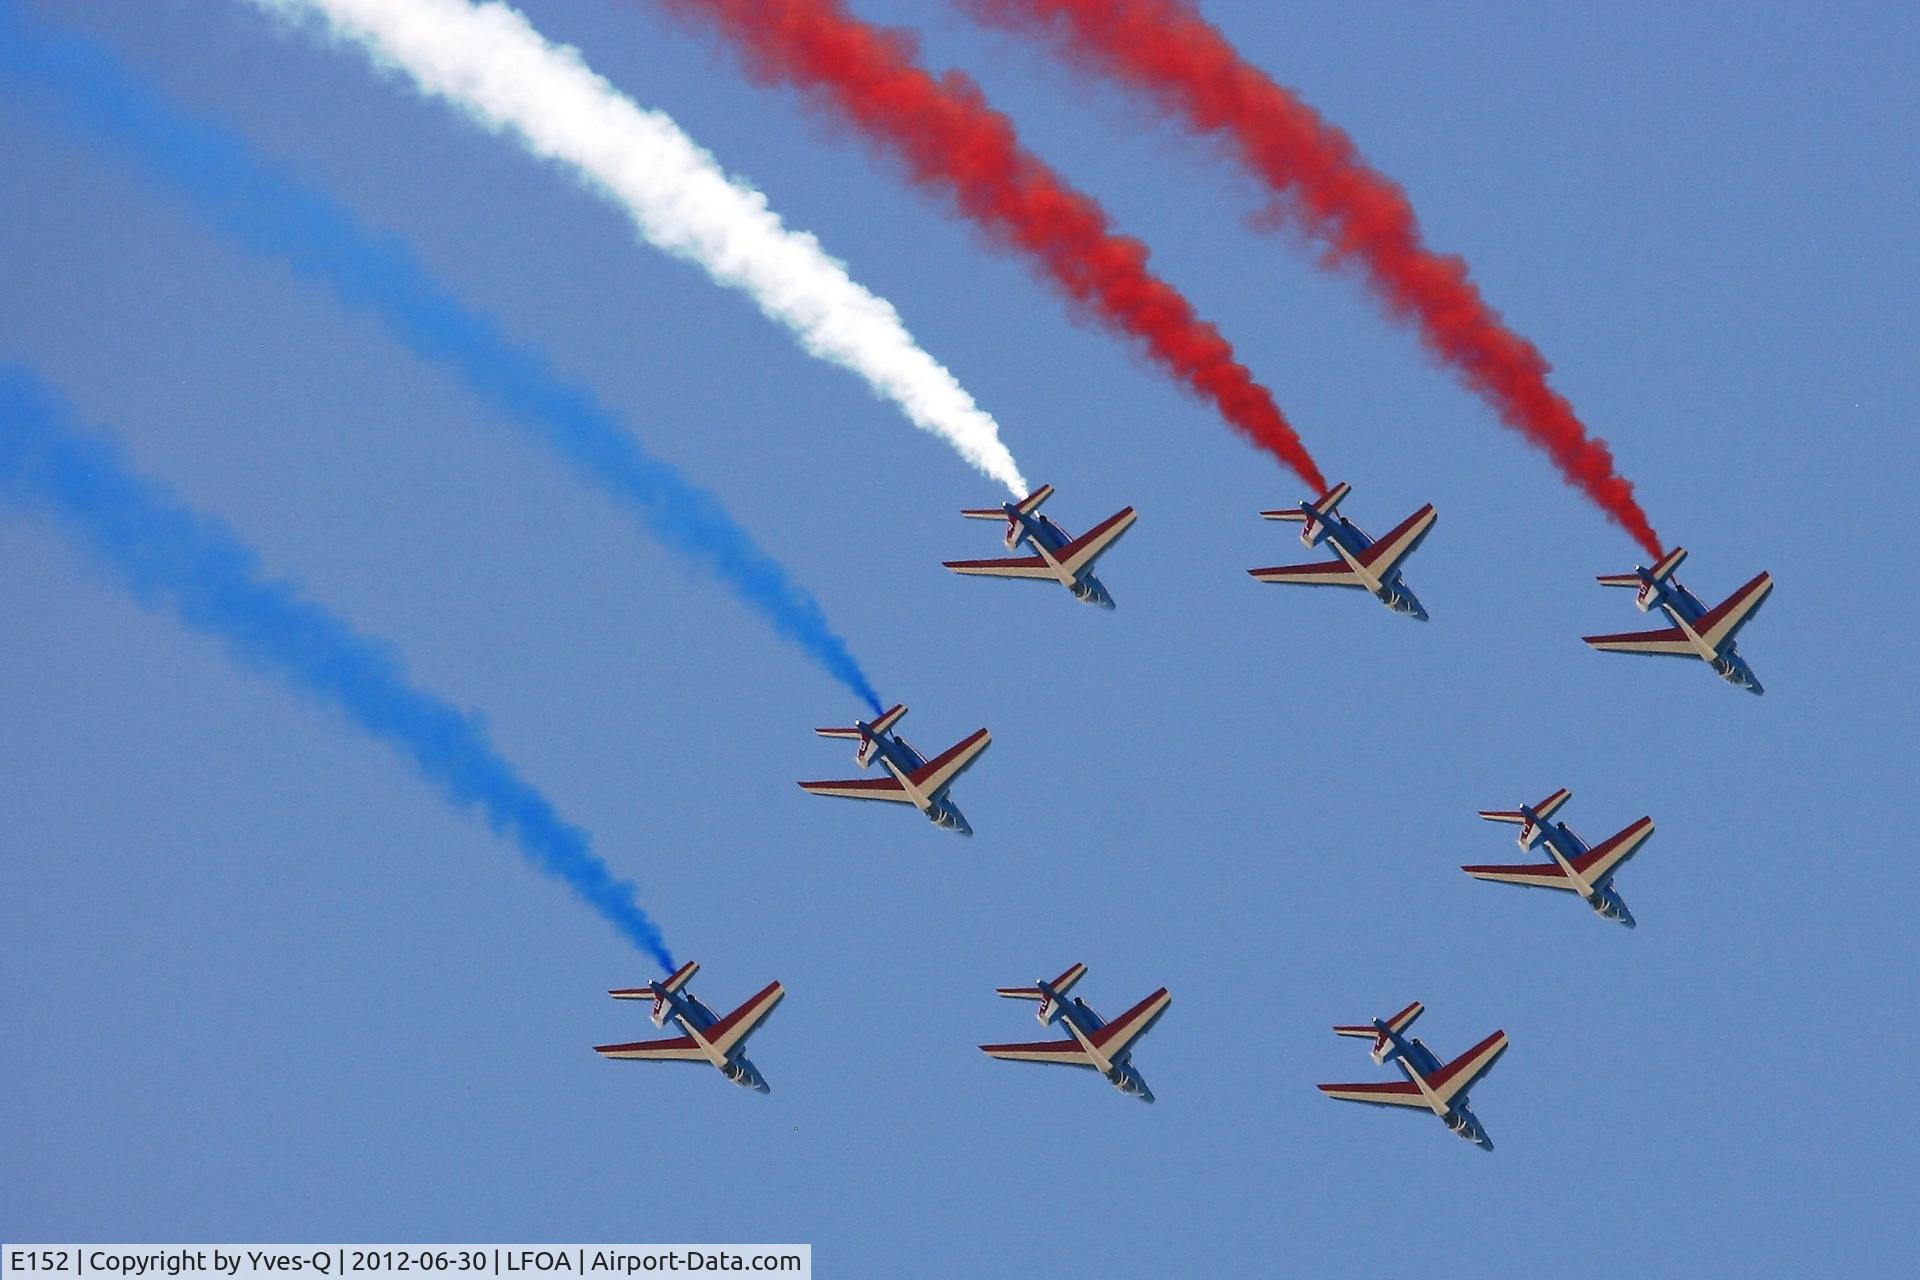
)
(708, 1038)
(1361, 561)
(1697, 631)
(1441, 1089)
(910, 778)
(1106, 1047)
(1576, 867)
(1056, 556)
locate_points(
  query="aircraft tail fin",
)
(1532, 826)
(1325, 505)
(658, 991)
(1378, 1032)
(868, 739)
(1646, 581)
(1049, 1008)
(1027, 505)
(1333, 497)
(1031, 503)
(881, 723)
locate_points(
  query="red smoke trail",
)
(954, 143)
(1362, 217)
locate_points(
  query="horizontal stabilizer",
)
(673, 982)
(886, 720)
(1061, 985)
(1544, 810)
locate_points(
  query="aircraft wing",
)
(1320, 573)
(1720, 623)
(1013, 567)
(1596, 862)
(1543, 875)
(1454, 1079)
(1065, 1052)
(1114, 1038)
(1668, 640)
(1386, 1093)
(1079, 553)
(1399, 542)
(948, 765)
(678, 1049)
(886, 788)
(732, 1029)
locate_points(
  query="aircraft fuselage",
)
(898, 757)
(1079, 1015)
(1349, 541)
(1598, 894)
(695, 1018)
(1685, 610)
(1046, 539)
(1419, 1062)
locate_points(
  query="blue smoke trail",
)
(323, 239)
(169, 557)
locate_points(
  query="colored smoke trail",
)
(323, 239)
(953, 143)
(1361, 217)
(490, 63)
(196, 568)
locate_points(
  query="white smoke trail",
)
(488, 60)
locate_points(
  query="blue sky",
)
(263, 984)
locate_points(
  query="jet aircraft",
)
(1361, 561)
(1698, 632)
(1092, 1041)
(911, 777)
(708, 1038)
(1575, 867)
(1056, 557)
(1439, 1089)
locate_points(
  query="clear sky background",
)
(259, 982)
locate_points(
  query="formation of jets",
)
(1091, 1042)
